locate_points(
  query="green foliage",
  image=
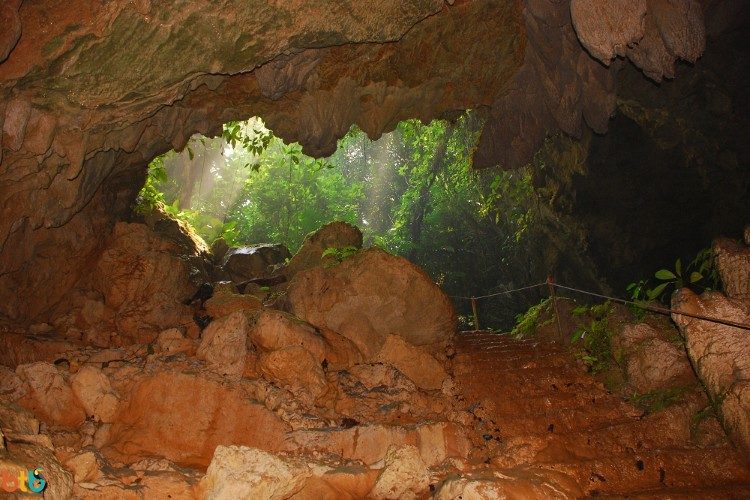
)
(701, 273)
(594, 340)
(412, 193)
(529, 321)
(150, 196)
(337, 255)
(654, 401)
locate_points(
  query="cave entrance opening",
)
(412, 192)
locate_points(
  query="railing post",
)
(553, 297)
(474, 310)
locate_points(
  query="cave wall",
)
(91, 90)
(673, 173)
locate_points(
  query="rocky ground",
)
(340, 376)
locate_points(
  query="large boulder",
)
(404, 475)
(372, 295)
(720, 355)
(224, 345)
(136, 288)
(338, 235)
(242, 472)
(257, 261)
(652, 360)
(184, 416)
(733, 263)
(50, 395)
(510, 484)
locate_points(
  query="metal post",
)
(553, 296)
(474, 310)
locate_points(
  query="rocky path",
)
(539, 410)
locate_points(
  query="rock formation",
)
(721, 353)
(86, 101)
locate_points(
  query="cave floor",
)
(541, 411)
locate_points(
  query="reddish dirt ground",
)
(538, 408)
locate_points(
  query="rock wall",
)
(720, 353)
(90, 94)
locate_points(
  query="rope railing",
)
(641, 305)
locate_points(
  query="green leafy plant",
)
(700, 273)
(654, 401)
(338, 255)
(595, 339)
(529, 321)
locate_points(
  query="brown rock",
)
(371, 295)
(652, 362)
(333, 235)
(85, 467)
(404, 475)
(92, 387)
(370, 443)
(16, 420)
(515, 484)
(172, 341)
(242, 472)
(50, 396)
(414, 362)
(720, 355)
(223, 303)
(275, 330)
(607, 27)
(29, 455)
(143, 282)
(294, 367)
(183, 417)
(224, 344)
(733, 263)
(257, 261)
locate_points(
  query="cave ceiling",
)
(91, 90)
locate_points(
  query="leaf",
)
(656, 292)
(665, 274)
(695, 277)
(678, 267)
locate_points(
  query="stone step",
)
(655, 469)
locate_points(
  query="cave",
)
(134, 363)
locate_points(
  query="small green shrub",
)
(338, 255)
(654, 401)
(528, 322)
(595, 339)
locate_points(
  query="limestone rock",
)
(92, 387)
(414, 362)
(59, 482)
(511, 484)
(607, 27)
(50, 396)
(17, 419)
(258, 261)
(370, 443)
(404, 475)
(273, 330)
(84, 466)
(652, 361)
(172, 341)
(224, 344)
(733, 263)
(333, 235)
(143, 282)
(720, 355)
(242, 472)
(223, 303)
(371, 295)
(296, 368)
(183, 417)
